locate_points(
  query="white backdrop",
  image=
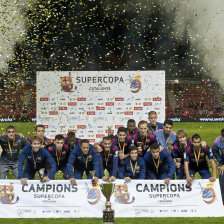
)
(90, 101)
(143, 198)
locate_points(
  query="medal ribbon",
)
(197, 157)
(152, 128)
(166, 140)
(58, 154)
(120, 146)
(10, 149)
(156, 165)
(34, 161)
(107, 157)
(133, 170)
(86, 160)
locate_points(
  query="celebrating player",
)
(195, 160)
(83, 158)
(133, 167)
(166, 137)
(60, 152)
(36, 158)
(11, 144)
(159, 164)
(153, 125)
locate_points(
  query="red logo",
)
(72, 103)
(46, 126)
(53, 112)
(62, 108)
(138, 108)
(119, 99)
(135, 85)
(109, 103)
(81, 126)
(128, 113)
(44, 99)
(112, 131)
(147, 104)
(81, 99)
(91, 140)
(66, 84)
(157, 99)
(91, 112)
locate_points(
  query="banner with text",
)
(87, 102)
(143, 198)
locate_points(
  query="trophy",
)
(107, 189)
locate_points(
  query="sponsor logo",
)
(44, 99)
(157, 99)
(91, 140)
(109, 103)
(91, 112)
(147, 103)
(62, 108)
(81, 99)
(128, 113)
(53, 112)
(138, 108)
(117, 126)
(208, 195)
(135, 85)
(100, 135)
(100, 108)
(81, 126)
(72, 103)
(66, 84)
(46, 126)
(119, 99)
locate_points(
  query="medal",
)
(156, 165)
(133, 170)
(197, 158)
(34, 161)
(10, 149)
(85, 160)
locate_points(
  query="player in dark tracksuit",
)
(159, 164)
(195, 160)
(83, 158)
(131, 128)
(71, 141)
(36, 159)
(142, 140)
(60, 153)
(11, 145)
(108, 159)
(133, 167)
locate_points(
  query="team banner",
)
(143, 198)
(90, 102)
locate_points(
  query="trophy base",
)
(108, 216)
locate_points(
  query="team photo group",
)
(147, 150)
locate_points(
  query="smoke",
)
(201, 22)
(12, 29)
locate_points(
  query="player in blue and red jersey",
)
(195, 160)
(133, 167)
(108, 159)
(60, 153)
(166, 137)
(153, 125)
(131, 128)
(178, 152)
(40, 131)
(218, 151)
(159, 164)
(71, 141)
(142, 140)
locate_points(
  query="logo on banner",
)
(7, 196)
(122, 195)
(66, 83)
(93, 194)
(208, 195)
(135, 85)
